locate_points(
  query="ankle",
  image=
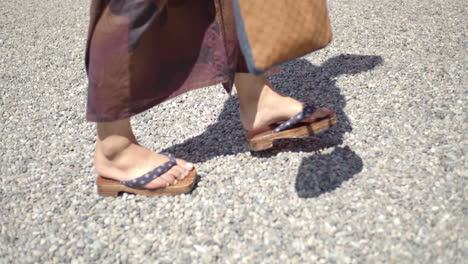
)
(112, 146)
(113, 138)
(255, 99)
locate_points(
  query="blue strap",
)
(151, 175)
(306, 112)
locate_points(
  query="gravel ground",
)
(386, 185)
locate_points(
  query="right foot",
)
(118, 158)
(261, 105)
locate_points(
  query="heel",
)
(106, 187)
(106, 191)
(260, 145)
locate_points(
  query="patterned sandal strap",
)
(306, 112)
(151, 175)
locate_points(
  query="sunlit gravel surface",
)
(386, 185)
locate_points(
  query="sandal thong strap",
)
(151, 175)
(306, 112)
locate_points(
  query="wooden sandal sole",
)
(264, 141)
(108, 187)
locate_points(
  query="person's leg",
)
(261, 105)
(118, 156)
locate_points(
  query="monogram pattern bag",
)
(274, 31)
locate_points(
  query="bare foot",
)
(261, 105)
(119, 157)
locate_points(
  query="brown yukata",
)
(143, 52)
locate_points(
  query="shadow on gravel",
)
(308, 83)
(323, 173)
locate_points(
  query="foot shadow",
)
(323, 173)
(299, 79)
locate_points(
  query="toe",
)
(178, 172)
(184, 164)
(162, 181)
(169, 178)
(159, 182)
(172, 176)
